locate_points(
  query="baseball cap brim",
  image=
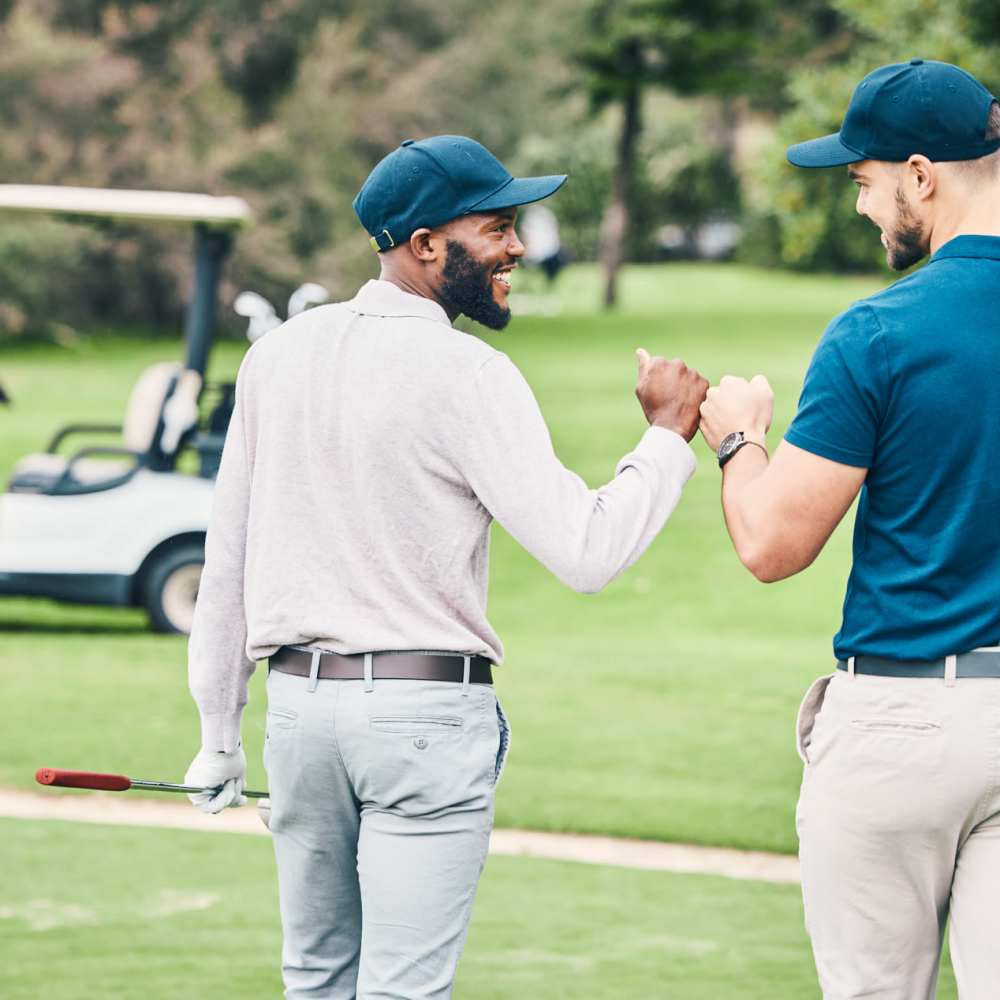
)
(521, 191)
(828, 151)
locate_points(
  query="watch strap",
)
(740, 443)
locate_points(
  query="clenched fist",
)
(670, 394)
(737, 405)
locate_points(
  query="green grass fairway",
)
(90, 912)
(662, 708)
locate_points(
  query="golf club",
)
(117, 782)
(259, 311)
(309, 294)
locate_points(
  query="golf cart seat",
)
(162, 410)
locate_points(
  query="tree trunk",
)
(618, 214)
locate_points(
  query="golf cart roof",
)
(171, 206)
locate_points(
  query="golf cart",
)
(112, 520)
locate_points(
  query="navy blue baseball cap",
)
(920, 106)
(432, 181)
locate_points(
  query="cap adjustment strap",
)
(383, 241)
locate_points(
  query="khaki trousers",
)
(899, 827)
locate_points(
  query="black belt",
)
(984, 663)
(385, 666)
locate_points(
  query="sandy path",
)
(102, 807)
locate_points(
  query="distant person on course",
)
(899, 813)
(370, 447)
(542, 247)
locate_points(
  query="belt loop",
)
(369, 673)
(314, 670)
(466, 670)
(950, 670)
(850, 667)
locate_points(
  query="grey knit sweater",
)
(371, 446)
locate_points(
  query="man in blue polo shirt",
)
(899, 814)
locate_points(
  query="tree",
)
(288, 103)
(688, 46)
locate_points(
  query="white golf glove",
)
(223, 772)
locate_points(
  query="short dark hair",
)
(993, 123)
(988, 166)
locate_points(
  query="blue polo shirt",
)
(906, 384)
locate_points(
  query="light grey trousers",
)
(381, 811)
(899, 826)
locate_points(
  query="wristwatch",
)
(732, 443)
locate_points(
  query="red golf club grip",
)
(82, 779)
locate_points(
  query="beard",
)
(907, 242)
(468, 287)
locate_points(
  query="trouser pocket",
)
(504, 748)
(808, 710)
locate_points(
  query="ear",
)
(427, 245)
(921, 176)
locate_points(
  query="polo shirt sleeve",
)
(846, 391)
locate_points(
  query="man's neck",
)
(977, 218)
(417, 287)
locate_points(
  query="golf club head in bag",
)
(309, 294)
(259, 311)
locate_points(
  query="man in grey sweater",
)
(370, 448)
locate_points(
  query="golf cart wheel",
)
(172, 588)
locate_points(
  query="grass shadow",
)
(26, 616)
(72, 628)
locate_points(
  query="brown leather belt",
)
(385, 666)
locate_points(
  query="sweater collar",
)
(383, 298)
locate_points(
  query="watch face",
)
(729, 442)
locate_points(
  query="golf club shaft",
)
(166, 786)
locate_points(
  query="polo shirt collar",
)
(970, 246)
(383, 298)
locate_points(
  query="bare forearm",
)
(779, 512)
(744, 504)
